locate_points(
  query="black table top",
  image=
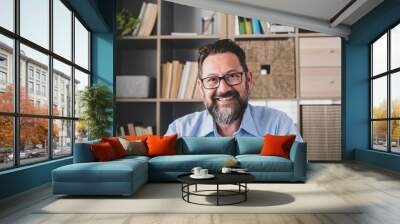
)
(220, 178)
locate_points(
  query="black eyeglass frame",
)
(224, 78)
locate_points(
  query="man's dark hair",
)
(218, 47)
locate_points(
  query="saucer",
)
(208, 176)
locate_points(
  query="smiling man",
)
(225, 83)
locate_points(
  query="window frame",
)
(388, 74)
(16, 114)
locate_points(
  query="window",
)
(54, 126)
(385, 92)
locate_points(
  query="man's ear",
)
(200, 87)
(249, 80)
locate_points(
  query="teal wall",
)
(98, 15)
(356, 85)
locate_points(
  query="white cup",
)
(226, 170)
(196, 170)
(203, 172)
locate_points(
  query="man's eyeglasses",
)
(232, 79)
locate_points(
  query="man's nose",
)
(223, 86)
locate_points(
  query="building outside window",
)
(34, 76)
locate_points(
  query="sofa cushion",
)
(257, 163)
(277, 145)
(249, 145)
(111, 171)
(161, 145)
(103, 151)
(185, 163)
(116, 145)
(206, 145)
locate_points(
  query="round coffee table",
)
(238, 179)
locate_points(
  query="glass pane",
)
(35, 21)
(379, 100)
(62, 89)
(395, 47)
(81, 81)
(62, 138)
(33, 139)
(395, 136)
(379, 55)
(62, 29)
(395, 94)
(81, 131)
(81, 45)
(379, 135)
(6, 74)
(6, 142)
(7, 14)
(34, 92)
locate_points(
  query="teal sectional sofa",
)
(125, 176)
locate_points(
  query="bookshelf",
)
(144, 55)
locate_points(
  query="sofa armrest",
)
(298, 155)
(83, 152)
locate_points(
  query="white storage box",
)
(135, 86)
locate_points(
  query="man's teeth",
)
(224, 98)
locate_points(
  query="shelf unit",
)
(145, 55)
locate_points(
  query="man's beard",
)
(225, 115)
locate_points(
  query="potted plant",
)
(96, 102)
(126, 23)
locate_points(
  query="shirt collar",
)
(209, 127)
(248, 123)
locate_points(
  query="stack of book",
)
(254, 26)
(178, 80)
(135, 130)
(147, 17)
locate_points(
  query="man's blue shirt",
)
(257, 121)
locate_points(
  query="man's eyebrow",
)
(216, 74)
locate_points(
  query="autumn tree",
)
(33, 130)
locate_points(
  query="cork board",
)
(280, 83)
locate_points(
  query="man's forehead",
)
(221, 63)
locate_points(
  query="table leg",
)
(217, 194)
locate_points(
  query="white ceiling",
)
(315, 15)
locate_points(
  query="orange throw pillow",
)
(275, 145)
(161, 145)
(103, 151)
(135, 138)
(116, 145)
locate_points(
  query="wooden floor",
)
(377, 188)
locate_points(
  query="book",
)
(140, 17)
(276, 28)
(184, 80)
(237, 31)
(131, 129)
(138, 130)
(122, 130)
(149, 130)
(166, 80)
(191, 81)
(247, 26)
(242, 30)
(176, 78)
(196, 93)
(183, 34)
(265, 26)
(256, 26)
(149, 20)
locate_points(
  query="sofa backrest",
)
(83, 152)
(249, 145)
(206, 145)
